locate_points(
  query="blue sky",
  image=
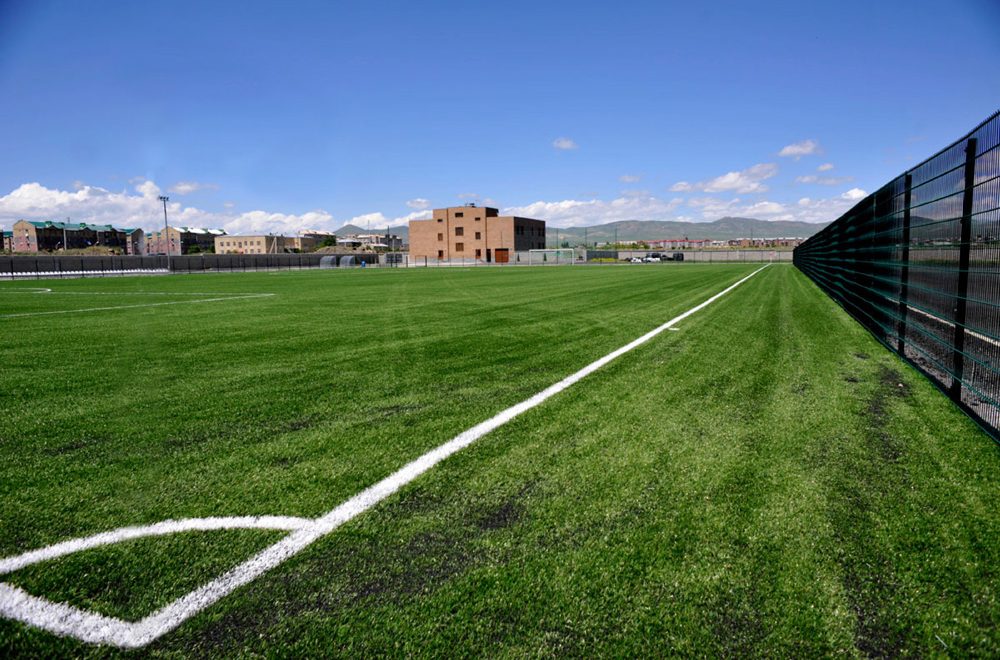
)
(284, 116)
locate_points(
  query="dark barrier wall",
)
(54, 265)
(917, 264)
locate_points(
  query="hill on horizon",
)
(635, 230)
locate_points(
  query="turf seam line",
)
(66, 620)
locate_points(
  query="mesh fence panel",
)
(916, 263)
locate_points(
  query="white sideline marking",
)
(41, 289)
(161, 304)
(66, 620)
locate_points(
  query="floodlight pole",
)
(166, 233)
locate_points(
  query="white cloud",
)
(264, 222)
(745, 181)
(141, 208)
(579, 213)
(148, 189)
(822, 210)
(630, 178)
(419, 203)
(800, 149)
(824, 180)
(188, 187)
(825, 167)
(564, 144)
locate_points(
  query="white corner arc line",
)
(159, 304)
(66, 620)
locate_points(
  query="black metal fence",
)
(918, 264)
(45, 266)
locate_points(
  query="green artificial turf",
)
(768, 480)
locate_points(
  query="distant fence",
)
(715, 256)
(918, 264)
(47, 266)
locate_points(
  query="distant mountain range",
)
(403, 231)
(635, 230)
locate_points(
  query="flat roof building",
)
(182, 240)
(474, 232)
(258, 244)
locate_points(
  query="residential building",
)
(49, 236)
(677, 243)
(309, 240)
(379, 242)
(474, 232)
(182, 240)
(258, 244)
(8, 241)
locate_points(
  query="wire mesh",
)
(916, 263)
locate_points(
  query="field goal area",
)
(552, 257)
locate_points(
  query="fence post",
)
(904, 275)
(963, 271)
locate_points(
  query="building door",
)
(489, 255)
(503, 255)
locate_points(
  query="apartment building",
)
(474, 232)
(49, 236)
(259, 244)
(182, 240)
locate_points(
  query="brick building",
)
(474, 232)
(258, 244)
(49, 236)
(182, 240)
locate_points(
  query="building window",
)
(479, 253)
(440, 219)
(459, 214)
(478, 218)
(440, 254)
(459, 247)
(479, 235)
(459, 231)
(440, 237)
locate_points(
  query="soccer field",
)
(761, 478)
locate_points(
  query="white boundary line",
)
(41, 289)
(66, 620)
(161, 304)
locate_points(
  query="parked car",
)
(651, 260)
(635, 260)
